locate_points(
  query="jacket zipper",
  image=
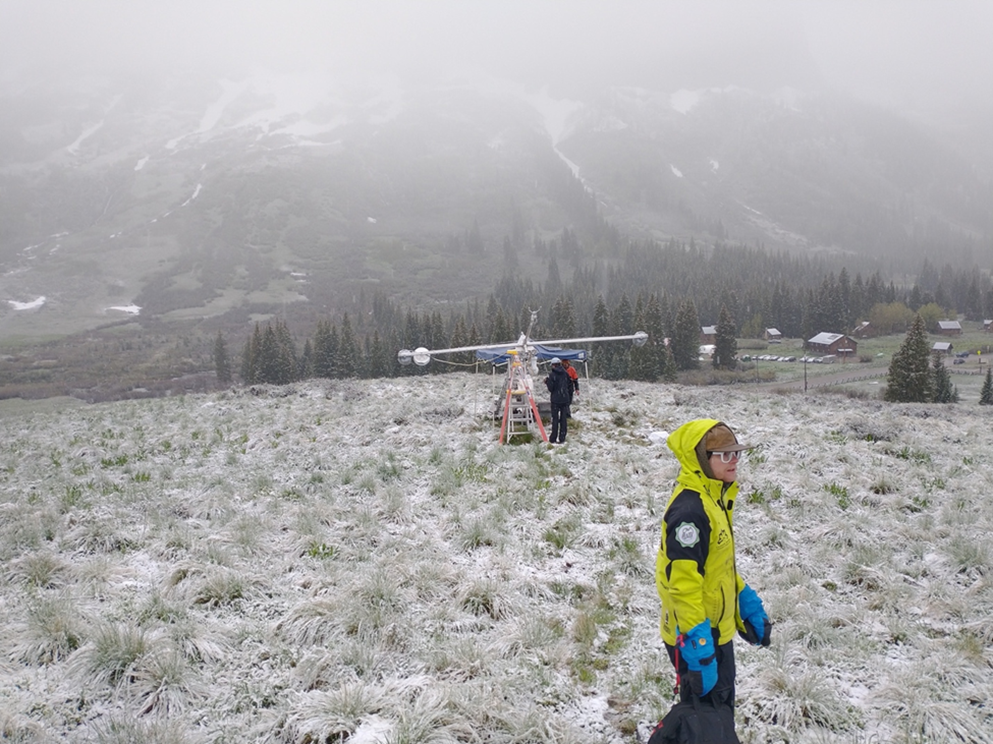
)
(734, 556)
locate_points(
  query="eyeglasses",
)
(726, 457)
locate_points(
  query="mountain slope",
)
(191, 200)
(793, 169)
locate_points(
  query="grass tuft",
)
(52, 631)
(111, 654)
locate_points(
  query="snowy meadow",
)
(362, 561)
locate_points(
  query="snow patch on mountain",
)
(304, 129)
(88, 132)
(293, 106)
(557, 113)
(299, 107)
(774, 230)
(32, 305)
(230, 91)
(196, 193)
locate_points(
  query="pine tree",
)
(986, 394)
(436, 336)
(287, 364)
(267, 362)
(412, 339)
(669, 371)
(622, 321)
(375, 357)
(601, 353)
(499, 328)
(666, 310)
(323, 353)
(475, 339)
(222, 365)
(909, 378)
(349, 361)
(845, 301)
(391, 342)
(725, 346)
(973, 301)
(334, 352)
(944, 391)
(857, 305)
(654, 326)
(250, 357)
(563, 319)
(553, 285)
(306, 368)
(685, 342)
(246, 362)
(810, 317)
(642, 366)
(458, 339)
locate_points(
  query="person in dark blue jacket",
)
(560, 387)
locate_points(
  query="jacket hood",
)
(686, 443)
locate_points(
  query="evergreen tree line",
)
(675, 287)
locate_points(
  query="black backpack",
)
(696, 722)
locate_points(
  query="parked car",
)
(958, 360)
(962, 354)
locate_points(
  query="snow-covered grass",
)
(363, 561)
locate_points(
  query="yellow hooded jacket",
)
(695, 571)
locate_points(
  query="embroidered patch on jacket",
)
(687, 534)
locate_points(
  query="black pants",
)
(560, 423)
(723, 692)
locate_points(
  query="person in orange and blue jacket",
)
(704, 599)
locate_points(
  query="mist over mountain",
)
(201, 179)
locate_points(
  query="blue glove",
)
(758, 629)
(698, 649)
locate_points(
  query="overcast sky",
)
(917, 53)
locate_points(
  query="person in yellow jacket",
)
(704, 599)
